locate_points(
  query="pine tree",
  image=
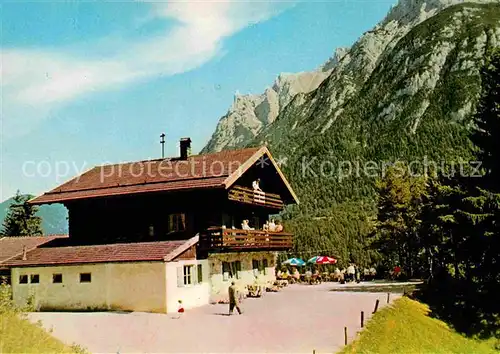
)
(461, 225)
(21, 219)
(487, 134)
(396, 237)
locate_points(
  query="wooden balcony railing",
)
(249, 196)
(236, 239)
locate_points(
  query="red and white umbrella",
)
(322, 260)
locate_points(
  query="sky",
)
(85, 83)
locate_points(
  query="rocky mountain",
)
(54, 217)
(250, 114)
(404, 91)
(419, 66)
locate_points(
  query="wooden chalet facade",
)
(203, 198)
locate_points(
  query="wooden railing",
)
(216, 238)
(250, 196)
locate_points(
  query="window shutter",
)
(199, 273)
(180, 276)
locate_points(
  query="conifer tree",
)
(21, 218)
(460, 227)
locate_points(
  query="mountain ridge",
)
(242, 123)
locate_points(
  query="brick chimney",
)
(185, 148)
(24, 253)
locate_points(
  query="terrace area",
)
(222, 239)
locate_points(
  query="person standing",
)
(234, 300)
(350, 272)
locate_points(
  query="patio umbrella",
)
(294, 262)
(322, 260)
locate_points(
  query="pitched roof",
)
(10, 247)
(198, 171)
(120, 252)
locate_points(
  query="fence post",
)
(376, 306)
(362, 319)
(345, 335)
(388, 297)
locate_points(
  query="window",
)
(85, 277)
(23, 279)
(256, 266)
(231, 270)
(57, 278)
(188, 275)
(34, 279)
(176, 222)
(199, 273)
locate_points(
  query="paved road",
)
(298, 319)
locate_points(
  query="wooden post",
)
(362, 319)
(388, 297)
(376, 306)
(345, 335)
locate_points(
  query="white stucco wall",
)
(247, 276)
(194, 295)
(132, 286)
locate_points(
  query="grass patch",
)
(405, 327)
(18, 335)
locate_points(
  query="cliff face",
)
(250, 114)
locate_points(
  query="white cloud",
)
(34, 81)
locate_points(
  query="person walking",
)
(234, 300)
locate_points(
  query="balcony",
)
(249, 196)
(219, 239)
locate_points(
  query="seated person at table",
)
(279, 227)
(285, 274)
(308, 276)
(245, 226)
(296, 274)
(265, 227)
(272, 226)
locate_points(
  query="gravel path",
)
(298, 319)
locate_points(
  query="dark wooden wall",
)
(128, 218)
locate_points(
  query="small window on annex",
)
(57, 278)
(85, 277)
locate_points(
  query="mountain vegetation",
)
(449, 227)
(405, 92)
